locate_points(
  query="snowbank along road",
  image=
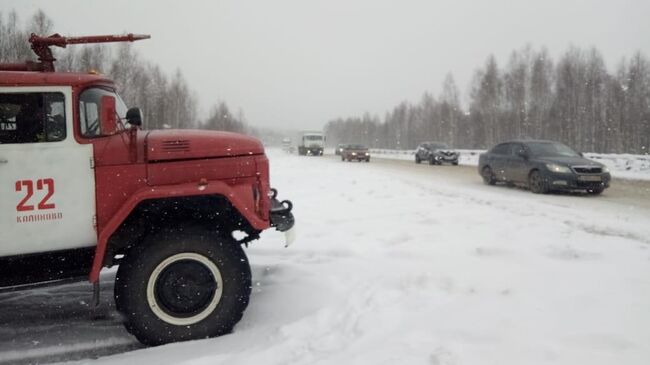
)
(400, 263)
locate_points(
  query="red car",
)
(355, 153)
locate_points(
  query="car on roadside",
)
(339, 149)
(436, 153)
(355, 152)
(542, 166)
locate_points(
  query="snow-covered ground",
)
(625, 166)
(399, 265)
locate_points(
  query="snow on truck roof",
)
(31, 78)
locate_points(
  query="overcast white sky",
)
(298, 63)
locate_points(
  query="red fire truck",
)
(83, 187)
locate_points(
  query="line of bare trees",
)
(576, 101)
(166, 101)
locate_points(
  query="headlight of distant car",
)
(367, 154)
(354, 153)
(558, 168)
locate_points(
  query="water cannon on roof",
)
(41, 46)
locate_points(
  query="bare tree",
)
(40, 24)
(450, 111)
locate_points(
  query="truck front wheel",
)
(182, 286)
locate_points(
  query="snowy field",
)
(625, 166)
(396, 264)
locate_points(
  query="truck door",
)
(47, 184)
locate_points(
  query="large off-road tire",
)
(432, 161)
(417, 159)
(488, 176)
(181, 286)
(536, 183)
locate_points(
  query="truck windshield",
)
(89, 110)
(314, 138)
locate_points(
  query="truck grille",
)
(587, 169)
(176, 146)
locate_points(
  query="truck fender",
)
(169, 191)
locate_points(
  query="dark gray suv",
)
(436, 153)
(543, 166)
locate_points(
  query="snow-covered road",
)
(397, 263)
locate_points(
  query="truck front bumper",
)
(282, 218)
(280, 214)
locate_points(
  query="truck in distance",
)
(311, 144)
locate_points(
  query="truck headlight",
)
(354, 153)
(558, 168)
(367, 154)
(605, 169)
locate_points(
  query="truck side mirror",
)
(134, 117)
(108, 116)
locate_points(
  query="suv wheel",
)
(417, 158)
(182, 286)
(536, 183)
(488, 176)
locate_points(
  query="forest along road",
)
(630, 193)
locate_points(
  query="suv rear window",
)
(32, 117)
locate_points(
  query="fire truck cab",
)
(83, 187)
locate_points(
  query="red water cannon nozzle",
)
(41, 46)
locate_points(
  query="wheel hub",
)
(184, 289)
